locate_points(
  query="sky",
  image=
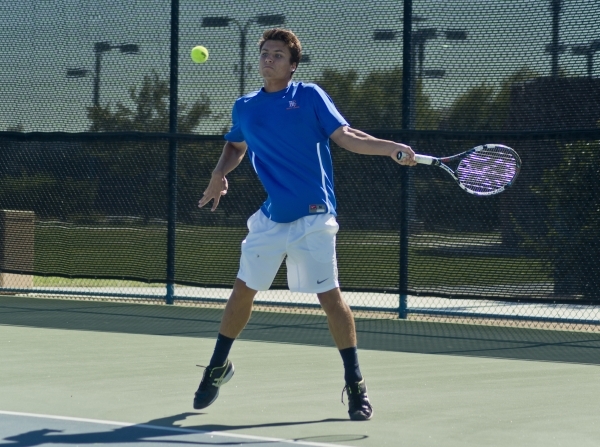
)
(42, 39)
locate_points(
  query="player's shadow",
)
(159, 431)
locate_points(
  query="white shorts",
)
(309, 244)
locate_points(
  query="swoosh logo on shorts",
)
(321, 282)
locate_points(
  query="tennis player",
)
(285, 128)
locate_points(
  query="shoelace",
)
(217, 382)
(346, 387)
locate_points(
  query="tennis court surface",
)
(79, 373)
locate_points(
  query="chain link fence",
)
(109, 133)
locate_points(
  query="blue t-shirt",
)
(287, 133)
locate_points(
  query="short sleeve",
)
(328, 115)
(235, 134)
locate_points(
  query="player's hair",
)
(287, 37)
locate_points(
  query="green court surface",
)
(431, 384)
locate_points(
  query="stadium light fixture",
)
(588, 51)
(99, 49)
(384, 34)
(270, 19)
(77, 72)
(215, 22)
(456, 34)
(419, 39)
(434, 74)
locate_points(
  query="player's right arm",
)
(231, 157)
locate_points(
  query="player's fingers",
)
(215, 203)
(207, 197)
(203, 201)
(404, 158)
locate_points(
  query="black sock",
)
(222, 348)
(351, 369)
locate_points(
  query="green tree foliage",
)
(484, 107)
(138, 176)
(89, 180)
(374, 102)
(150, 112)
(571, 240)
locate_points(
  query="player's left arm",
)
(360, 142)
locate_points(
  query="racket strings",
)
(487, 170)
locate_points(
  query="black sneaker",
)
(359, 407)
(212, 379)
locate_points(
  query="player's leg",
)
(237, 310)
(263, 251)
(341, 325)
(339, 318)
(220, 369)
(312, 268)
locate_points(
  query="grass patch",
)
(115, 256)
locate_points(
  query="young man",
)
(285, 127)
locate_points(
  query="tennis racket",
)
(483, 171)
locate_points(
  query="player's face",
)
(275, 62)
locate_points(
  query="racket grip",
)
(421, 159)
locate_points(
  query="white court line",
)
(172, 429)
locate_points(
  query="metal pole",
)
(556, 6)
(420, 45)
(96, 98)
(243, 33)
(173, 101)
(407, 106)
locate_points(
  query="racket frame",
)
(441, 163)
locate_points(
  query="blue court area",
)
(97, 373)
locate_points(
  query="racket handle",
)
(421, 159)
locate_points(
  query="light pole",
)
(419, 38)
(223, 22)
(555, 47)
(99, 49)
(588, 51)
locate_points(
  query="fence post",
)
(172, 206)
(407, 124)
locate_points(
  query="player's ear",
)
(294, 66)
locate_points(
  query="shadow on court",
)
(163, 431)
(375, 334)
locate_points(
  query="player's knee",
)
(331, 300)
(242, 292)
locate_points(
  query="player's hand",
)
(216, 188)
(409, 156)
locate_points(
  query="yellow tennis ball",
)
(199, 54)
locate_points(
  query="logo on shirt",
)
(293, 105)
(316, 209)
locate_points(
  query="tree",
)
(375, 102)
(569, 237)
(484, 107)
(151, 113)
(134, 174)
